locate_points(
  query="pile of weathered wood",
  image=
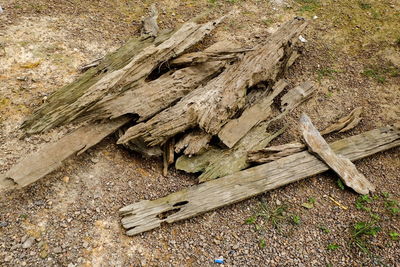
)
(212, 109)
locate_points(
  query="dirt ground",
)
(70, 218)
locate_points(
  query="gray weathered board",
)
(50, 157)
(211, 106)
(218, 162)
(126, 69)
(272, 153)
(340, 164)
(146, 215)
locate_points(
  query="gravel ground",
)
(70, 218)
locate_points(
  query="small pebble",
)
(28, 242)
(3, 224)
(302, 39)
(66, 179)
(58, 250)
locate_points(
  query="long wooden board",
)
(146, 215)
(50, 157)
(341, 165)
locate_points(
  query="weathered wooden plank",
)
(346, 123)
(146, 215)
(193, 142)
(216, 163)
(272, 153)
(50, 156)
(219, 162)
(208, 56)
(212, 105)
(341, 165)
(126, 69)
(235, 129)
(154, 96)
(297, 95)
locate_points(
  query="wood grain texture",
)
(193, 143)
(346, 123)
(272, 153)
(297, 95)
(154, 96)
(219, 162)
(123, 70)
(235, 129)
(211, 106)
(225, 53)
(341, 165)
(50, 156)
(146, 215)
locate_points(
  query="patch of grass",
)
(362, 201)
(333, 246)
(308, 5)
(340, 184)
(324, 229)
(364, 5)
(360, 233)
(326, 72)
(394, 236)
(374, 74)
(392, 206)
(263, 243)
(375, 216)
(296, 219)
(275, 216)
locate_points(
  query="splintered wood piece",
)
(216, 163)
(149, 24)
(168, 156)
(207, 56)
(220, 162)
(125, 69)
(346, 123)
(212, 105)
(146, 215)
(235, 129)
(341, 165)
(276, 152)
(193, 143)
(154, 96)
(50, 156)
(297, 95)
(138, 145)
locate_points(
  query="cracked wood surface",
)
(154, 96)
(276, 152)
(125, 69)
(340, 164)
(236, 129)
(218, 162)
(212, 105)
(146, 215)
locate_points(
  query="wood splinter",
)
(341, 165)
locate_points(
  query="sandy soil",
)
(70, 217)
